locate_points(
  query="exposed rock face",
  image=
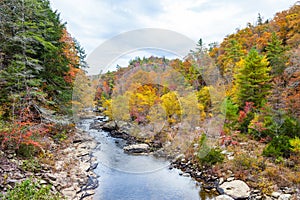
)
(50, 116)
(237, 189)
(137, 148)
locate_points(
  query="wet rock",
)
(223, 197)
(236, 189)
(137, 148)
(97, 125)
(109, 126)
(93, 166)
(84, 195)
(118, 134)
(100, 118)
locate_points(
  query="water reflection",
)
(130, 177)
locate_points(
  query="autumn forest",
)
(232, 109)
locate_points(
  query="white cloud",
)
(93, 21)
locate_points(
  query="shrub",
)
(208, 156)
(30, 190)
(295, 143)
(246, 162)
(279, 146)
(270, 124)
(245, 117)
(25, 131)
(266, 186)
(26, 151)
(60, 136)
(243, 161)
(20, 133)
(262, 126)
(31, 165)
(203, 147)
(290, 127)
(230, 110)
(214, 156)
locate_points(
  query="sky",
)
(92, 22)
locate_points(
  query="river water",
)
(137, 177)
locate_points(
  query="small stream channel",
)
(125, 176)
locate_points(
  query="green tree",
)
(233, 53)
(252, 80)
(33, 64)
(276, 55)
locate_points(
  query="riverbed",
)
(137, 177)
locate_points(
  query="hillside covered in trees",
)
(39, 61)
(241, 96)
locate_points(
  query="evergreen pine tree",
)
(33, 64)
(276, 55)
(252, 80)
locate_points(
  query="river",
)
(125, 176)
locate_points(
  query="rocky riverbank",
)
(67, 167)
(226, 186)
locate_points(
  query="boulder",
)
(230, 179)
(137, 148)
(125, 127)
(237, 189)
(223, 197)
(109, 126)
(97, 125)
(285, 197)
(100, 118)
(275, 194)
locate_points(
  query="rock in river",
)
(137, 148)
(109, 126)
(237, 189)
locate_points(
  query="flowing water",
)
(137, 177)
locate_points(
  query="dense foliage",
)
(258, 65)
(38, 64)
